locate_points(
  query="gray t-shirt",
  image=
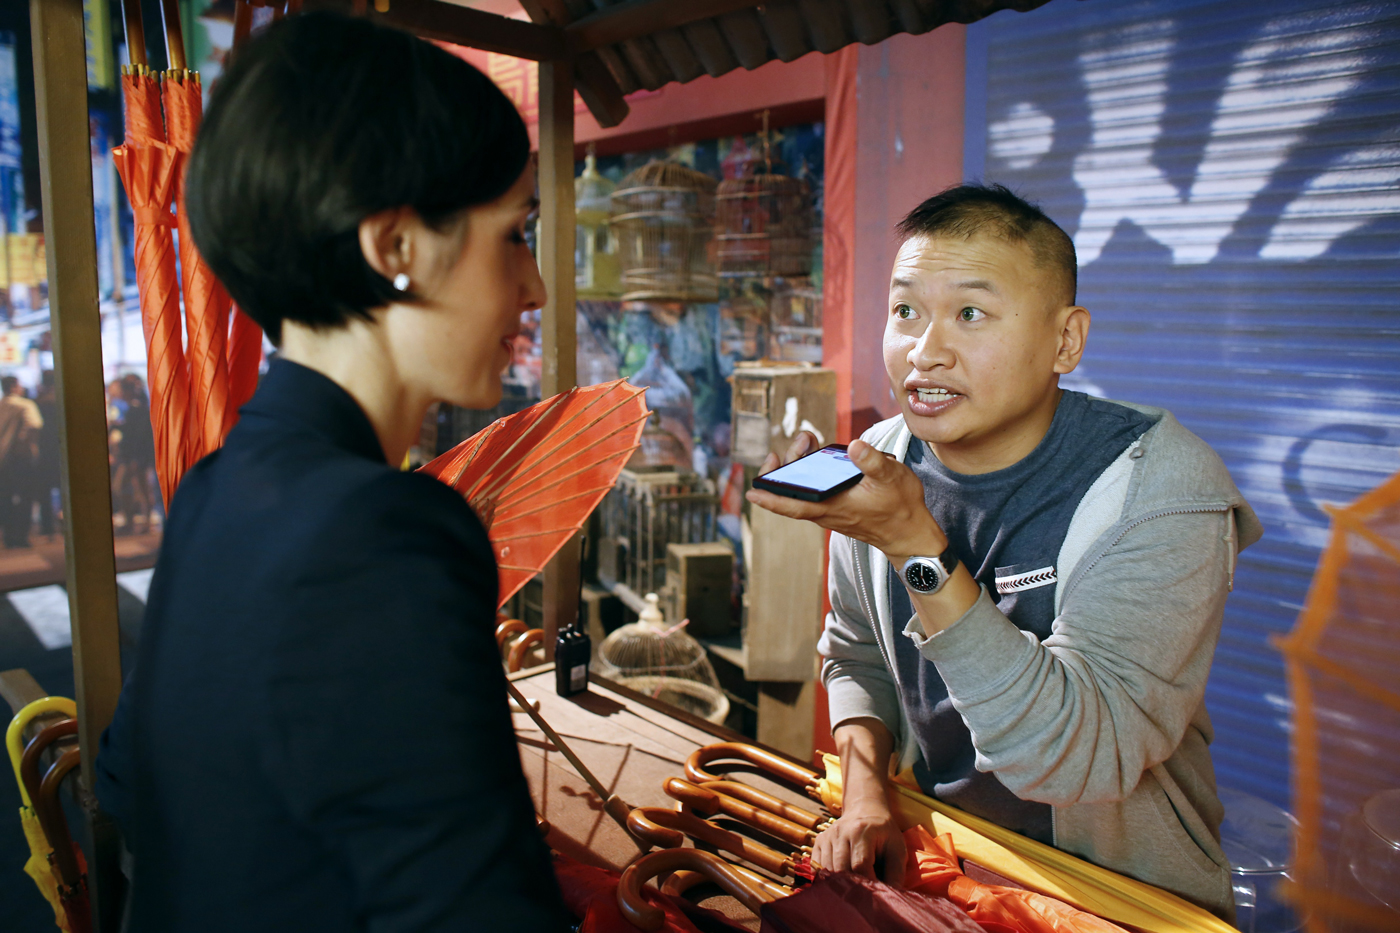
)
(1008, 527)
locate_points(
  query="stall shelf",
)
(603, 50)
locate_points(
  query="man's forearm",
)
(865, 746)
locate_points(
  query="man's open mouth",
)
(935, 395)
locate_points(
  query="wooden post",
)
(556, 252)
(65, 177)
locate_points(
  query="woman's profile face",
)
(480, 282)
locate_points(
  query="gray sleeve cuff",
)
(977, 654)
(849, 698)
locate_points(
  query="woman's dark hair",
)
(321, 122)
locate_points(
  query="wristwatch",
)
(929, 574)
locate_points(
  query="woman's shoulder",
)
(388, 504)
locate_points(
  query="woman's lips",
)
(930, 409)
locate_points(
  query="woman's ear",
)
(387, 241)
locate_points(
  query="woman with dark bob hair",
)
(316, 734)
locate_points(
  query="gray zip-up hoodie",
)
(1105, 720)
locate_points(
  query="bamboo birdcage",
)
(647, 511)
(763, 226)
(663, 218)
(596, 272)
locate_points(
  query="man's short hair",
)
(965, 211)
(320, 122)
(7, 384)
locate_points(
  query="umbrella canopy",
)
(1341, 660)
(206, 302)
(534, 478)
(149, 169)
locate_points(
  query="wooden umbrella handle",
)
(29, 760)
(767, 801)
(775, 765)
(709, 801)
(646, 916)
(521, 647)
(668, 829)
(507, 630)
(50, 812)
(682, 880)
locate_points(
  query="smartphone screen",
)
(822, 473)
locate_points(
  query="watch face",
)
(921, 576)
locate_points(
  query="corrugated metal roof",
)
(780, 30)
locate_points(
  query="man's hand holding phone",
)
(885, 509)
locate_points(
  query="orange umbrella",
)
(148, 169)
(534, 478)
(244, 354)
(206, 301)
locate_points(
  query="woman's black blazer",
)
(315, 735)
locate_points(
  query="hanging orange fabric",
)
(149, 169)
(932, 867)
(206, 302)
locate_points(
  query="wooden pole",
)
(556, 253)
(65, 179)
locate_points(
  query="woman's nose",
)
(533, 293)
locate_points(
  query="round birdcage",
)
(660, 659)
(663, 218)
(596, 273)
(763, 226)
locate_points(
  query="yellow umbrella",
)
(38, 867)
(1037, 866)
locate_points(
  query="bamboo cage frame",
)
(568, 55)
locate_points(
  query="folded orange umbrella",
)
(534, 477)
(206, 302)
(148, 169)
(244, 356)
(932, 867)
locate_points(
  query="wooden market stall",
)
(603, 54)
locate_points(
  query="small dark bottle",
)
(572, 652)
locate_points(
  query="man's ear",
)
(387, 241)
(1074, 333)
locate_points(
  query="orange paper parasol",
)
(534, 478)
(206, 301)
(1342, 659)
(148, 169)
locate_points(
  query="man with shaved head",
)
(1027, 585)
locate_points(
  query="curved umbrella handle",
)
(682, 880)
(645, 916)
(29, 762)
(14, 735)
(521, 647)
(50, 812)
(668, 829)
(766, 801)
(775, 765)
(508, 630)
(709, 801)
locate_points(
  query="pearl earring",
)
(401, 282)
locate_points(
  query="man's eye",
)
(903, 312)
(970, 314)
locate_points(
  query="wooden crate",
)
(699, 581)
(773, 402)
(785, 573)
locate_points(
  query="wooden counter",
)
(632, 744)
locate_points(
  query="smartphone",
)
(817, 476)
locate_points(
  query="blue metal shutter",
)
(1229, 173)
